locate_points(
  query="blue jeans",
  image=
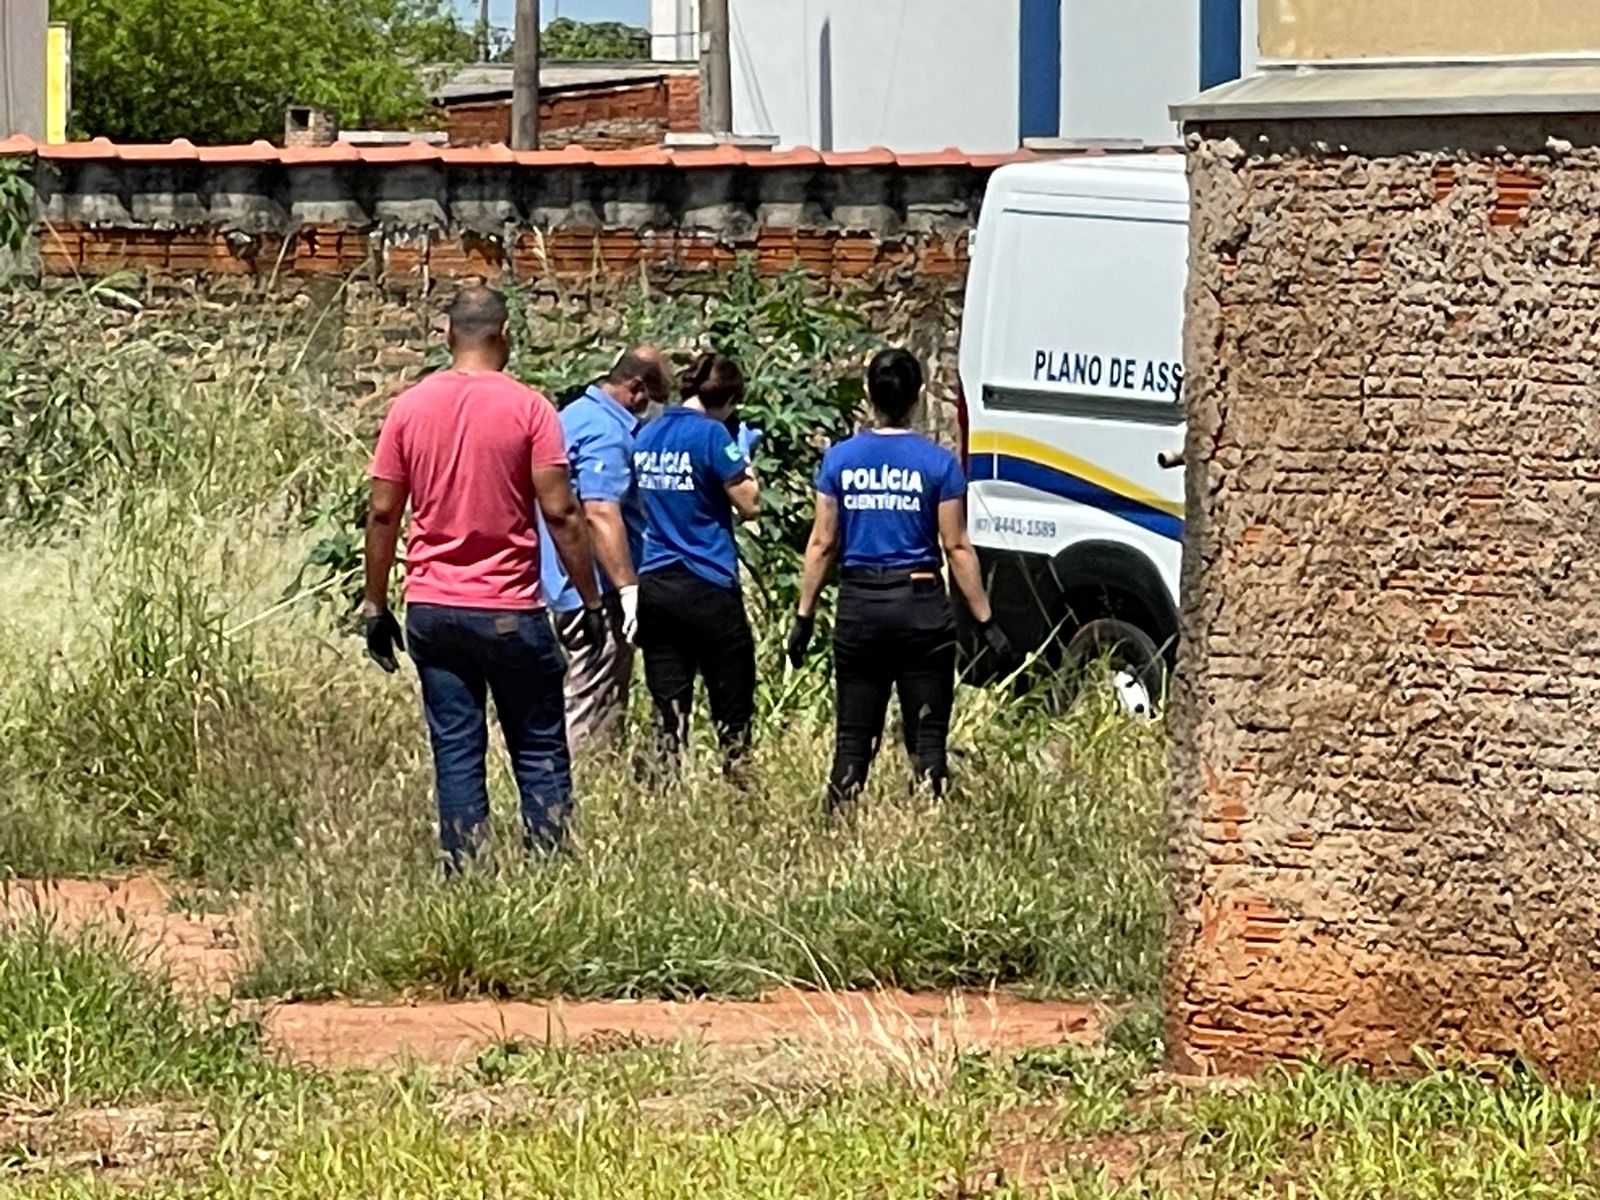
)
(465, 655)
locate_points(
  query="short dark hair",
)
(715, 380)
(894, 383)
(638, 363)
(477, 314)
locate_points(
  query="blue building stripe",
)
(1039, 79)
(1070, 487)
(1220, 37)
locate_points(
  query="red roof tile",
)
(800, 156)
(877, 156)
(567, 156)
(254, 152)
(498, 155)
(986, 162)
(408, 152)
(339, 152)
(477, 156)
(98, 148)
(716, 156)
(936, 158)
(181, 150)
(642, 156)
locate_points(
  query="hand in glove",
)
(996, 640)
(800, 640)
(750, 438)
(630, 612)
(383, 637)
(592, 628)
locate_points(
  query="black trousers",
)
(892, 633)
(687, 627)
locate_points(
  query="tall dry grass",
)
(165, 704)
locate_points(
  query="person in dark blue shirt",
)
(891, 506)
(693, 480)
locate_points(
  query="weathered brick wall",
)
(638, 114)
(1385, 774)
(888, 234)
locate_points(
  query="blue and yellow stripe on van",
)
(1020, 460)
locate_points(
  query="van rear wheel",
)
(1121, 658)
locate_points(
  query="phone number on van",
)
(1016, 526)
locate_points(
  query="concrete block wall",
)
(1386, 787)
(403, 210)
(887, 233)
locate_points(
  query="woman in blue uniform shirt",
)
(891, 505)
(693, 479)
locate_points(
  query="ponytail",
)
(696, 377)
(716, 381)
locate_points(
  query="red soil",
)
(200, 951)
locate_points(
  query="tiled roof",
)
(182, 150)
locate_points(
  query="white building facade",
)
(979, 75)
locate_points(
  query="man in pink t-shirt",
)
(475, 452)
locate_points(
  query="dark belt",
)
(889, 575)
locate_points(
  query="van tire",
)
(1125, 648)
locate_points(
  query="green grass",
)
(1041, 872)
(110, 1087)
(81, 1023)
(683, 1121)
(165, 707)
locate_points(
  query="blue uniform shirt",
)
(889, 487)
(599, 433)
(683, 462)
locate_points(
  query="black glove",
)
(996, 640)
(800, 639)
(383, 639)
(592, 628)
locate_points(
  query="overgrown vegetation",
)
(16, 204)
(226, 70)
(164, 702)
(81, 1022)
(907, 1121)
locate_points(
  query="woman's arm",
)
(821, 548)
(963, 559)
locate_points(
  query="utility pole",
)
(525, 77)
(483, 30)
(716, 68)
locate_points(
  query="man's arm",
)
(963, 559)
(609, 535)
(563, 518)
(384, 513)
(745, 495)
(821, 547)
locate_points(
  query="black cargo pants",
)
(689, 626)
(896, 630)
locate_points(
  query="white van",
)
(1071, 382)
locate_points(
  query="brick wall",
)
(683, 103)
(891, 238)
(638, 114)
(1385, 779)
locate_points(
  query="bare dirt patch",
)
(201, 952)
(451, 1034)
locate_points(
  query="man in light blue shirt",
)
(599, 428)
